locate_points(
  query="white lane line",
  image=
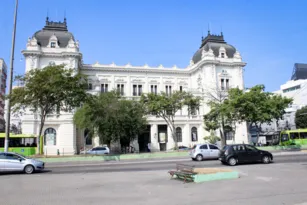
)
(115, 163)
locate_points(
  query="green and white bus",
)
(20, 143)
(293, 137)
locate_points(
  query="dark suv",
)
(243, 153)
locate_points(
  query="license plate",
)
(220, 159)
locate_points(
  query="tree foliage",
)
(222, 115)
(254, 107)
(111, 118)
(166, 106)
(301, 118)
(257, 106)
(47, 91)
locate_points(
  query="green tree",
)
(166, 106)
(301, 118)
(132, 121)
(111, 118)
(257, 106)
(222, 115)
(49, 90)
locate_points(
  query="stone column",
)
(154, 138)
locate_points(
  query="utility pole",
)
(8, 114)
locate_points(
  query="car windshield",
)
(22, 156)
(225, 148)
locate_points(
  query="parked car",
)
(99, 150)
(204, 151)
(243, 153)
(10, 161)
(183, 148)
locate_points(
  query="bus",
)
(20, 143)
(293, 137)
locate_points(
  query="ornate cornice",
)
(146, 69)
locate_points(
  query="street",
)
(147, 165)
(147, 182)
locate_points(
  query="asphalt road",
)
(149, 165)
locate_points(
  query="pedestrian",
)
(148, 146)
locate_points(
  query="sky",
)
(269, 34)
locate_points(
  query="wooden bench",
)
(185, 172)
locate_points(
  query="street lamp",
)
(8, 114)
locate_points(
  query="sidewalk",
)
(145, 156)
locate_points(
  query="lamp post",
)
(8, 114)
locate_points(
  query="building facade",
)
(3, 76)
(216, 65)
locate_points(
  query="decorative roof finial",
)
(47, 17)
(65, 16)
(208, 28)
(221, 31)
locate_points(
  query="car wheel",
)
(232, 161)
(29, 169)
(266, 159)
(199, 157)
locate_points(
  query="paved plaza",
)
(272, 184)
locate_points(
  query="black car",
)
(243, 153)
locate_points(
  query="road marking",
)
(114, 163)
(267, 179)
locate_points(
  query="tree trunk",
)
(172, 126)
(222, 133)
(40, 131)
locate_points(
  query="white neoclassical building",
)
(215, 65)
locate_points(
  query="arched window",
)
(50, 137)
(87, 137)
(194, 134)
(179, 134)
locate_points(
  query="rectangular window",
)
(222, 84)
(156, 89)
(120, 89)
(303, 135)
(104, 88)
(153, 89)
(180, 88)
(140, 91)
(168, 90)
(134, 92)
(227, 84)
(294, 136)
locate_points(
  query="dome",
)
(215, 42)
(58, 29)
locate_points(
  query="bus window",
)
(303, 135)
(294, 135)
(284, 137)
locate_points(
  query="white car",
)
(99, 150)
(204, 151)
(10, 161)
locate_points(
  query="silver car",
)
(10, 161)
(99, 150)
(204, 151)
